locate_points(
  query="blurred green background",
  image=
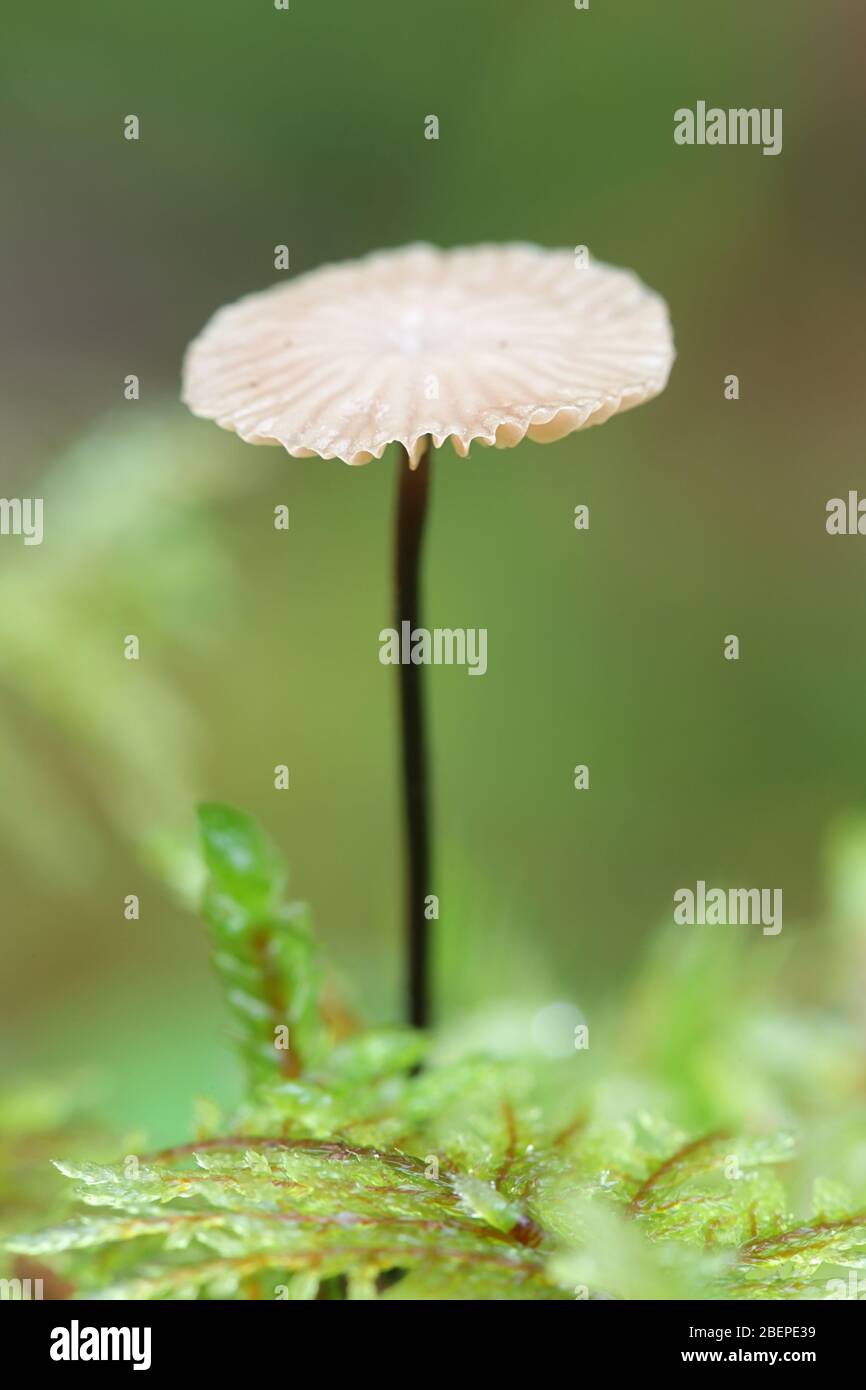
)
(260, 647)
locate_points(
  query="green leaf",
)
(245, 875)
(264, 953)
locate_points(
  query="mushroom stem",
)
(413, 486)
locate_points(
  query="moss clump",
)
(352, 1170)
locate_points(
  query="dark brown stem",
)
(413, 486)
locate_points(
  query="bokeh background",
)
(306, 128)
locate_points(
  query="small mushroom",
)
(485, 344)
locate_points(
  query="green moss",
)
(350, 1172)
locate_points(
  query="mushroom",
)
(485, 344)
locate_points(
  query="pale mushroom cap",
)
(488, 343)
